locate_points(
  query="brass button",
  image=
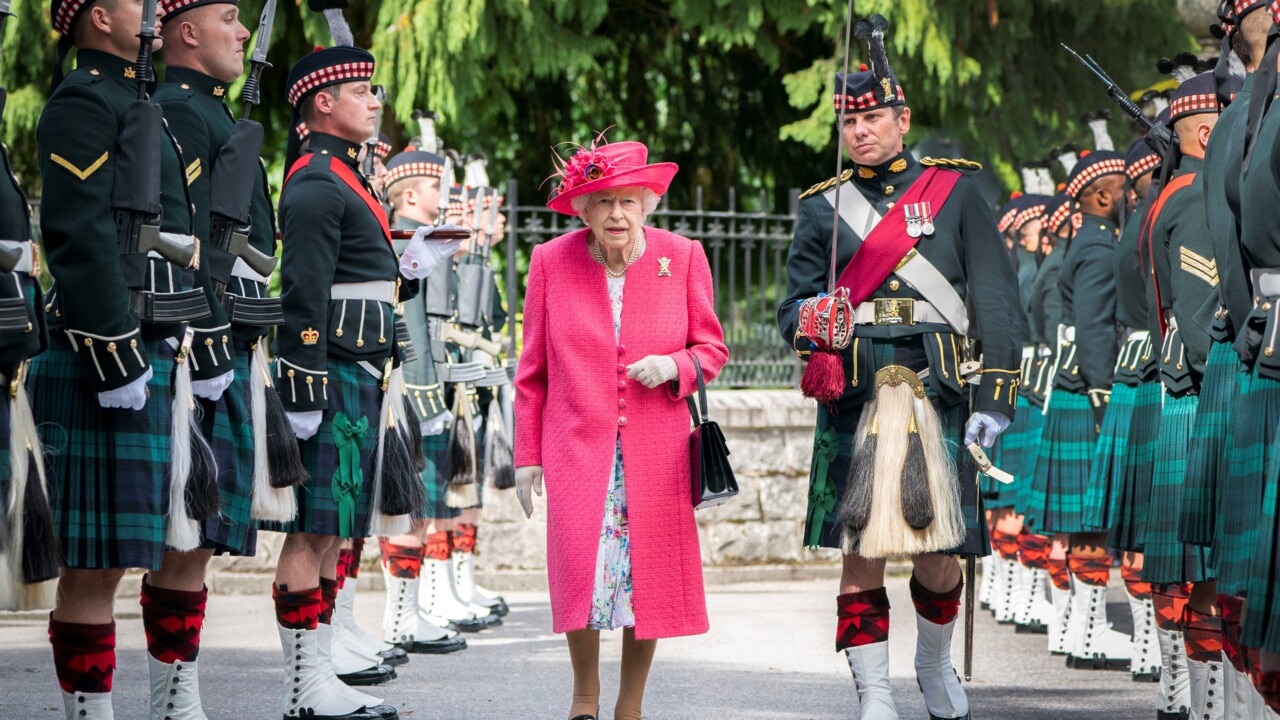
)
(310, 379)
(359, 343)
(337, 333)
(382, 341)
(133, 344)
(999, 382)
(1266, 307)
(88, 342)
(894, 285)
(290, 373)
(111, 347)
(208, 342)
(889, 189)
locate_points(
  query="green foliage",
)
(735, 91)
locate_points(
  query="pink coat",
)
(573, 399)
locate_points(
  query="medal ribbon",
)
(348, 479)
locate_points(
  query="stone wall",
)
(758, 534)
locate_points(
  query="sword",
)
(970, 564)
(250, 95)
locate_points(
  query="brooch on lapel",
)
(664, 267)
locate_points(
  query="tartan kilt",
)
(1262, 611)
(1055, 501)
(107, 469)
(1129, 514)
(228, 427)
(1025, 480)
(1167, 560)
(834, 437)
(1207, 459)
(357, 394)
(1105, 476)
(1252, 449)
(435, 478)
(1015, 454)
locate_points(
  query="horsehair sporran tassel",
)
(203, 500)
(183, 532)
(912, 476)
(384, 524)
(462, 492)
(402, 489)
(855, 506)
(284, 459)
(500, 456)
(270, 503)
(413, 434)
(33, 547)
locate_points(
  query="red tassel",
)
(823, 378)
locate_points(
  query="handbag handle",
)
(698, 418)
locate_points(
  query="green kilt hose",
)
(1167, 560)
(1252, 452)
(1129, 512)
(1106, 475)
(1207, 459)
(834, 438)
(1055, 503)
(228, 426)
(356, 395)
(435, 478)
(1015, 453)
(107, 469)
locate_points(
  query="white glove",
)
(653, 370)
(985, 427)
(305, 424)
(437, 424)
(421, 257)
(528, 478)
(213, 388)
(132, 396)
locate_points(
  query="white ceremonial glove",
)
(653, 370)
(528, 478)
(985, 427)
(421, 257)
(132, 396)
(437, 424)
(213, 388)
(305, 424)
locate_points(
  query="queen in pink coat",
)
(613, 317)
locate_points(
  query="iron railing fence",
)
(747, 252)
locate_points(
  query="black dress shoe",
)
(471, 625)
(360, 714)
(376, 675)
(394, 656)
(499, 607)
(443, 646)
(386, 712)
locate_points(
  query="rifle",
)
(1158, 135)
(135, 193)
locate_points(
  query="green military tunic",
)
(1187, 278)
(109, 481)
(1086, 363)
(966, 246)
(1257, 426)
(194, 105)
(339, 281)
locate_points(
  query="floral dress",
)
(611, 600)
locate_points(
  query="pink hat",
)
(605, 167)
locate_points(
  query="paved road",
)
(769, 655)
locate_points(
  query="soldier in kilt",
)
(959, 241)
(1185, 280)
(1087, 352)
(340, 280)
(103, 392)
(413, 188)
(24, 566)
(1044, 313)
(1258, 415)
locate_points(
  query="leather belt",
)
(897, 311)
(375, 290)
(1266, 283)
(27, 263)
(166, 308)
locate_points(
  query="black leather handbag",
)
(713, 480)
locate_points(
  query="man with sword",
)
(889, 350)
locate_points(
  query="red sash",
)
(344, 173)
(888, 243)
(1145, 240)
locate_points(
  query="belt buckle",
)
(895, 311)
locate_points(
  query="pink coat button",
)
(622, 384)
(622, 349)
(622, 369)
(622, 402)
(622, 421)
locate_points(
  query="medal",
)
(927, 213)
(913, 220)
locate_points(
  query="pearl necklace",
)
(637, 248)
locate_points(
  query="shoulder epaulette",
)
(964, 166)
(826, 184)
